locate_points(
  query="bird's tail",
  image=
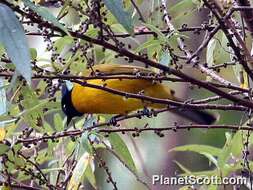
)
(197, 116)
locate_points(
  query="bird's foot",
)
(147, 112)
(114, 120)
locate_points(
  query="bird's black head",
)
(66, 103)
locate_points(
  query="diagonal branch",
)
(192, 58)
(225, 23)
(247, 14)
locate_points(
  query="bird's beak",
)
(69, 118)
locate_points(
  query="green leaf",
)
(237, 144)
(119, 146)
(201, 149)
(118, 28)
(201, 173)
(165, 58)
(157, 31)
(79, 171)
(183, 168)
(211, 46)
(232, 168)
(123, 17)
(19, 161)
(85, 144)
(210, 52)
(238, 71)
(63, 9)
(92, 32)
(33, 53)
(89, 174)
(43, 156)
(3, 148)
(34, 107)
(187, 172)
(182, 9)
(233, 147)
(154, 51)
(47, 128)
(45, 14)
(58, 122)
(149, 44)
(14, 40)
(2, 50)
(41, 88)
(78, 66)
(60, 43)
(3, 100)
(156, 16)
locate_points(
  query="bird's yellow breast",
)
(91, 100)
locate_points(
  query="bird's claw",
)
(147, 112)
(113, 121)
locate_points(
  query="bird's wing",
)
(117, 69)
(126, 85)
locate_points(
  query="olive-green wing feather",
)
(117, 69)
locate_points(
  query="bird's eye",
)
(64, 107)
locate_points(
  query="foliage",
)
(173, 40)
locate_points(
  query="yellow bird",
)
(78, 100)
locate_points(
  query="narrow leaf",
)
(157, 31)
(45, 14)
(210, 55)
(201, 149)
(210, 52)
(182, 9)
(14, 40)
(89, 174)
(3, 100)
(119, 146)
(237, 144)
(58, 122)
(165, 58)
(3, 148)
(79, 171)
(149, 44)
(183, 168)
(123, 17)
(233, 147)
